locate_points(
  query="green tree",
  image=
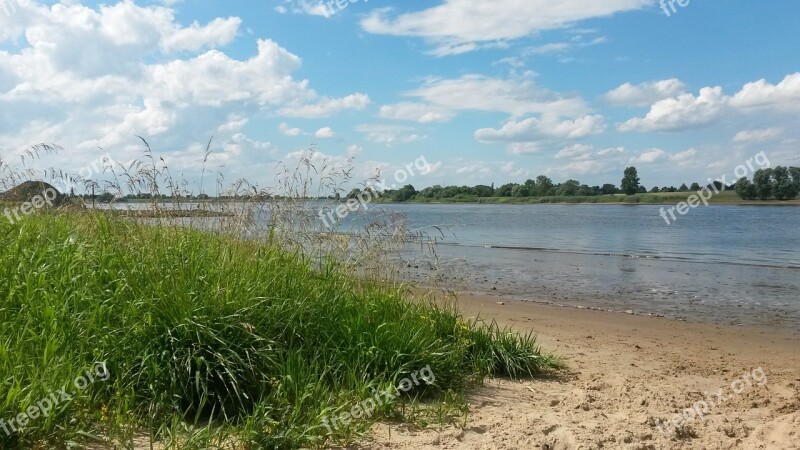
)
(745, 189)
(543, 186)
(608, 189)
(683, 188)
(630, 181)
(763, 181)
(520, 190)
(569, 188)
(505, 190)
(695, 187)
(405, 193)
(783, 187)
(483, 191)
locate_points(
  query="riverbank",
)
(627, 372)
(661, 198)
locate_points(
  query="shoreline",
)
(627, 374)
(664, 203)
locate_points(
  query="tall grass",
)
(224, 339)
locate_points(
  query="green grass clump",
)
(212, 341)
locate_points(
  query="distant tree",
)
(584, 191)
(695, 187)
(434, 191)
(520, 190)
(105, 197)
(641, 190)
(683, 188)
(405, 193)
(569, 188)
(608, 189)
(630, 181)
(531, 185)
(483, 191)
(505, 190)
(763, 181)
(655, 190)
(795, 173)
(354, 193)
(783, 188)
(717, 186)
(745, 189)
(543, 186)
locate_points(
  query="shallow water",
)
(722, 264)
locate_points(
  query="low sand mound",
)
(30, 189)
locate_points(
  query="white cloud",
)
(575, 151)
(87, 77)
(687, 110)
(309, 7)
(534, 128)
(522, 148)
(784, 96)
(515, 96)
(683, 111)
(417, 112)
(645, 94)
(354, 150)
(459, 26)
(289, 131)
(324, 133)
(388, 135)
(326, 107)
(758, 135)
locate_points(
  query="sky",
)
(485, 91)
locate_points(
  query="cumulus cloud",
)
(758, 135)
(311, 8)
(89, 77)
(645, 94)
(515, 96)
(459, 26)
(417, 112)
(784, 96)
(286, 130)
(683, 111)
(687, 110)
(324, 133)
(388, 135)
(534, 128)
(326, 107)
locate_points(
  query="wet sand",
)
(722, 293)
(627, 374)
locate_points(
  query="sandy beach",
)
(629, 375)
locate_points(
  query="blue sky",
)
(487, 92)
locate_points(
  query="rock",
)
(501, 303)
(629, 312)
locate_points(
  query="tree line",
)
(780, 183)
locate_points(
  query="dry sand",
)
(626, 371)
